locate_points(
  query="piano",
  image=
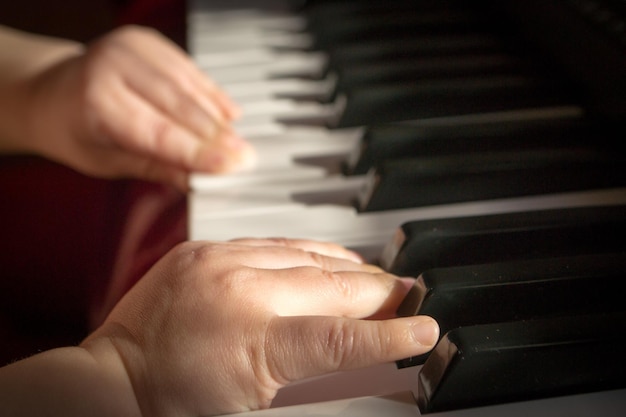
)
(471, 145)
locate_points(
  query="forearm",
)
(22, 57)
(71, 381)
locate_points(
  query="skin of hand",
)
(131, 104)
(218, 328)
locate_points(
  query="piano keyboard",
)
(397, 128)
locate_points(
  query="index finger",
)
(311, 291)
(323, 248)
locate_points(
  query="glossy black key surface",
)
(375, 74)
(504, 362)
(426, 244)
(516, 290)
(420, 46)
(431, 98)
(342, 26)
(585, 38)
(401, 140)
(426, 181)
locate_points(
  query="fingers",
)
(290, 281)
(314, 291)
(174, 92)
(175, 65)
(335, 344)
(282, 253)
(323, 248)
(137, 125)
(149, 98)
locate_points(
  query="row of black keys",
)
(406, 60)
(426, 59)
(512, 330)
(530, 304)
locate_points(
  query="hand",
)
(219, 328)
(134, 105)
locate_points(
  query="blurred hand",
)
(134, 105)
(218, 328)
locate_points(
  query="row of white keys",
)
(250, 56)
(402, 404)
(283, 195)
(278, 152)
(343, 225)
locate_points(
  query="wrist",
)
(70, 381)
(24, 58)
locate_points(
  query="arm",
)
(23, 57)
(219, 328)
(131, 104)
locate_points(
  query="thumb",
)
(315, 345)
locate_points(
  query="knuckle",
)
(132, 32)
(321, 261)
(228, 278)
(160, 131)
(344, 288)
(279, 241)
(182, 103)
(340, 343)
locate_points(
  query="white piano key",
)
(229, 201)
(264, 127)
(606, 403)
(299, 132)
(293, 146)
(238, 57)
(283, 87)
(278, 108)
(265, 112)
(310, 65)
(231, 20)
(345, 226)
(207, 43)
(396, 405)
(216, 182)
(279, 161)
(368, 392)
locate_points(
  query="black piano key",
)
(445, 97)
(401, 140)
(426, 244)
(352, 76)
(319, 12)
(516, 290)
(585, 38)
(336, 27)
(426, 181)
(516, 361)
(423, 45)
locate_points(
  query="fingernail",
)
(355, 257)
(246, 159)
(234, 111)
(408, 282)
(233, 153)
(425, 330)
(233, 140)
